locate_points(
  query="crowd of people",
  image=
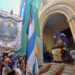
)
(11, 64)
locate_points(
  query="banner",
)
(10, 32)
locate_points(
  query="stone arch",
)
(64, 8)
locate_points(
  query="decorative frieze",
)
(51, 3)
(54, 8)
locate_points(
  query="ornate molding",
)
(55, 8)
(52, 3)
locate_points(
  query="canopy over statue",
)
(61, 39)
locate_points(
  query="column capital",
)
(71, 18)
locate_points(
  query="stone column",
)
(72, 27)
(40, 51)
(73, 22)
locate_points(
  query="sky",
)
(8, 5)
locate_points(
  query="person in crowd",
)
(13, 72)
(0, 68)
(21, 70)
(6, 69)
(9, 66)
(11, 59)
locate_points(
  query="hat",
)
(7, 60)
(10, 54)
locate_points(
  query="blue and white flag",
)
(22, 8)
(30, 52)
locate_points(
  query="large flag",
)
(24, 25)
(35, 5)
(24, 13)
(30, 52)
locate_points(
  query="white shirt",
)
(19, 71)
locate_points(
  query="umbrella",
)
(60, 38)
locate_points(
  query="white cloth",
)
(19, 71)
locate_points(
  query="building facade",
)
(63, 12)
